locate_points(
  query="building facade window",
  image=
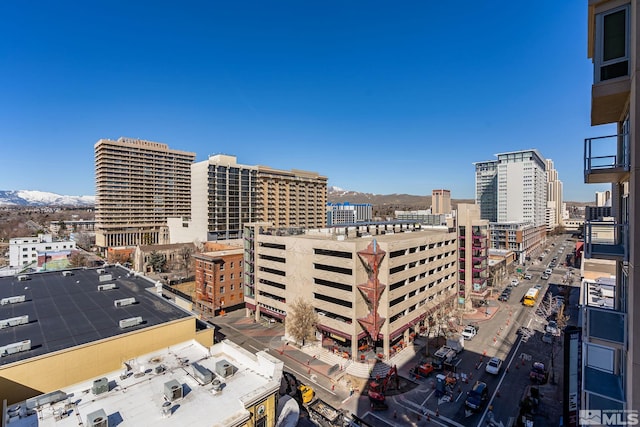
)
(612, 44)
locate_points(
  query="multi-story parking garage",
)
(373, 285)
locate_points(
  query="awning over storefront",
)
(332, 331)
(413, 323)
(272, 313)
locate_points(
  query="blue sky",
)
(380, 97)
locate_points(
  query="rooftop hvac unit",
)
(23, 278)
(132, 321)
(202, 374)
(225, 369)
(100, 271)
(15, 347)
(124, 301)
(105, 277)
(172, 390)
(106, 287)
(100, 386)
(98, 419)
(13, 300)
(14, 321)
(67, 273)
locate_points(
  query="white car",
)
(514, 282)
(527, 276)
(548, 271)
(493, 366)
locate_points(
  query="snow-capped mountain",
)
(42, 198)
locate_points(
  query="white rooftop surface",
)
(138, 400)
(605, 300)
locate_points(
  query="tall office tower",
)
(225, 195)
(610, 348)
(295, 199)
(487, 189)
(603, 198)
(139, 184)
(440, 202)
(554, 197)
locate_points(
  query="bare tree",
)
(438, 310)
(185, 259)
(198, 244)
(301, 321)
(77, 259)
(547, 307)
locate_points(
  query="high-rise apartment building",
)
(294, 198)
(607, 379)
(139, 184)
(487, 189)
(603, 198)
(225, 195)
(440, 202)
(512, 194)
(554, 197)
(522, 187)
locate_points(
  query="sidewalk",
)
(481, 314)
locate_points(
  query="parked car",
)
(548, 271)
(477, 396)
(514, 282)
(545, 276)
(493, 366)
(527, 276)
(504, 296)
(538, 286)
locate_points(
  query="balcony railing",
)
(605, 384)
(604, 324)
(606, 159)
(606, 240)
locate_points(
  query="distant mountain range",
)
(42, 198)
(383, 202)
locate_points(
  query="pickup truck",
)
(469, 332)
(446, 354)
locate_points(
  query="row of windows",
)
(421, 248)
(423, 261)
(418, 291)
(274, 284)
(272, 258)
(333, 285)
(332, 300)
(338, 254)
(333, 269)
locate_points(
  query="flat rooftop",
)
(388, 236)
(65, 311)
(139, 397)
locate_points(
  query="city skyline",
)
(361, 95)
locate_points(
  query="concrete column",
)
(354, 348)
